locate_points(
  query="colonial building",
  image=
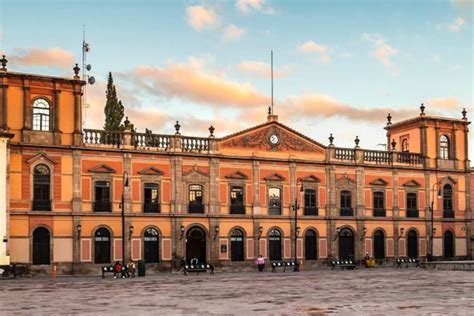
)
(221, 200)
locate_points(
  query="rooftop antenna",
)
(85, 67)
(271, 57)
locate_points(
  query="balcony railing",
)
(102, 206)
(448, 214)
(380, 157)
(412, 213)
(345, 154)
(148, 140)
(311, 211)
(151, 207)
(101, 137)
(347, 211)
(377, 156)
(41, 205)
(195, 144)
(196, 208)
(274, 210)
(380, 212)
(409, 158)
(237, 208)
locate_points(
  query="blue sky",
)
(206, 62)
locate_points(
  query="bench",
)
(198, 267)
(350, 264)
(12, 270)
(110, 269)
(407, 262)
(284, 265)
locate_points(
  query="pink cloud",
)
(261, 6)
(54, 57)
(263, 70)
(233, 32)
(200, 17)
(311, 47)
(383, 52)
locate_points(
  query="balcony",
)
(237, 208)
(310, 211)
(274, 210)
(380, 212)
(197, 208)
(377, 157)
(41, 205)
(102, 206)
(448, 214)
(412, 213)
(151, 207)
(347, 211)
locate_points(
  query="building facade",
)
(221, 200)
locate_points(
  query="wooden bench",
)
(198, 267)
(285, 265)
(414, 262)
(350, 264)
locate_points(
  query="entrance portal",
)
(196, 244)
(346, 244)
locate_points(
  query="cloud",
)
(449, 103)
(200, 17)
(382, 51)
(263, 70)
(192, 82)
(311, 47)
(465, 7)
(233, 32)
(456, 25)
(52, 57)
(261, 6)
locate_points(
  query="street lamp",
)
(432, 231)
(296, 206)
(125, 185)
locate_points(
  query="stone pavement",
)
(365, 291)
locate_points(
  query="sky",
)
(339, 66)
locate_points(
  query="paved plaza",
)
(376, 291)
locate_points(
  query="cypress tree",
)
(114, 109)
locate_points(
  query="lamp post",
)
(436, 185)
(125, 185)
(296, 206)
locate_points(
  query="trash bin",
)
(141, 268)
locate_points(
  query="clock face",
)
(274, 139)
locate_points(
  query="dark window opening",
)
(102, 197)
(237, 200)
(379, 204)
(41, 246)
(196, 204)
(151, 203)
(41, 188)
(346, 203)
(102, 245)
(274, 201)
(310, 202)
(274, 245)
(152, 245)
(237, 245)
(448, 210)
(412, 205)
(310, 245)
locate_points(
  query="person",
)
(131, 269)
(117, 269)
(260, 263)
(182, 263)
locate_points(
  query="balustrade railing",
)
(194, 144)
(101, 137)
(345, 154)
(377, 156)
(147, 140)
(382, 157)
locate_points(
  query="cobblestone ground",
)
(376, 291)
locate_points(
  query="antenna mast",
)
(87, 78)
(271, 57)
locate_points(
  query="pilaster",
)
(76, 182)
(214, 206)
(256, 187)
(4, 196)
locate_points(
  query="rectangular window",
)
(379, 204)
(310, 205)
(195, 199)
(346, 203)
(102, 197)
(151, 203)
(274, 201)
(237, 200)
(412, 205)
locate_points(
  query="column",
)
(214, 205)
(56, 130)
(4, 197)
(256, 187)
(77, 118)
(26, 108)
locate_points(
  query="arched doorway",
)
(274, 245)
(237, 245)
(346, 244)
(412, 244)
(41, 246)
(151, 245)
(196, 244)
(379, 245)
(310, 245)
(102, 245)
(448, 244)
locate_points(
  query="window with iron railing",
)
(346, 203)
(310, 202)
(41, 188)
(379, 204)
(237, 200)
(274, 201)
(196, 203)
(448, 210)
(102, 197)
(151, 203)
(412, 205)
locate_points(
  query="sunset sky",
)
(340, 66)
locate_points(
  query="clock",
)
(274, 139)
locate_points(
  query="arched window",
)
(379, 203)
(448, 244)
(102, 245)
(379, 245)
(412, 205)
(41, 246)
(41, 188)
(412, 244)
(346, 203)
(310, 204)
(151, 203)
(237, 200)
(448, 210)
(274, 201)
(41, 113)
(151, 245)
(444, 147)
(237, 245)
(274, 245)
(405, 146)
(310, 245)
(196, 203)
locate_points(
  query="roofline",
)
(428, 117)
(35, 76)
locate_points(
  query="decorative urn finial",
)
(177, 127)
(464, 112)
(422, 109)
(356, 141)
(331, 139)
(76, 71)
(211, 131)
(4, 62)
(393, 143)
(389, 119)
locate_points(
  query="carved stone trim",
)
(237, 176)
(275, 177)
(379, 182)
(102, 168)
(41, 156)
(412, 184)
(151, 171)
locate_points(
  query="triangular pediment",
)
(311, 178)
(41, 157)
(196, 172)
(412, 184)
(379, 181)
(345, 181)
(102, 168)
(237, 176)
(151, 171)
(449, 179)
(271, 136)
(275, 177)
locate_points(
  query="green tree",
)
(114, 109)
